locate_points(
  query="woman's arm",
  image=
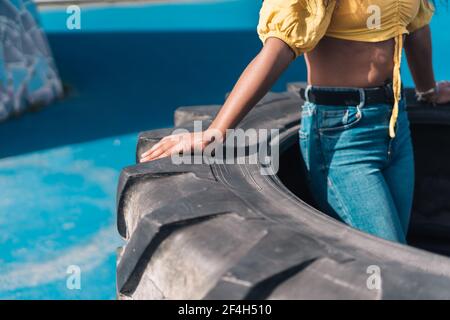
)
(419, 54)
(253, 84)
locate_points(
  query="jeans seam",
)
(330, 182)
(305, 139)
(390, 155)
(339, 200)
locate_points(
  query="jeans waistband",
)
(349, 95)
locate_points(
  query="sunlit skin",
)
(333, 62)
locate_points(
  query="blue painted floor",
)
(58, 210)
(59, 167)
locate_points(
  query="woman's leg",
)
(359, 194)
(345, 151)
(399, 173)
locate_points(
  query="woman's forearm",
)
(253, 84)
(419, 54)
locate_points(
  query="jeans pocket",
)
(335, 119)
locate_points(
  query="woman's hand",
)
(179, 143)
(443, 92)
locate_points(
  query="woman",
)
(354, 134)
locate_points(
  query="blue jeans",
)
(355, 171)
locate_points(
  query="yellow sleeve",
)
(299, 23)
(424, 16)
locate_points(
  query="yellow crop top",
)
(302, 23)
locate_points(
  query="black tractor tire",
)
(224, 231)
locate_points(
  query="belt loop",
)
(362, 98)
(307, 90)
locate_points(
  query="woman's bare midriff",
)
(344, 63)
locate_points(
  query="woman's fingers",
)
(152, 149)
(162, 144)
(148, 153)
(156, 146)
(175, 149)
(444, 84)
(163, 147)
(443, 94)
(169, 145)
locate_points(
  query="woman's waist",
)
(336, 62)
(350, 96)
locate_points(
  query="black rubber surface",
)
(228, 232)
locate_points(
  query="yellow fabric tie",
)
(397, 83)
